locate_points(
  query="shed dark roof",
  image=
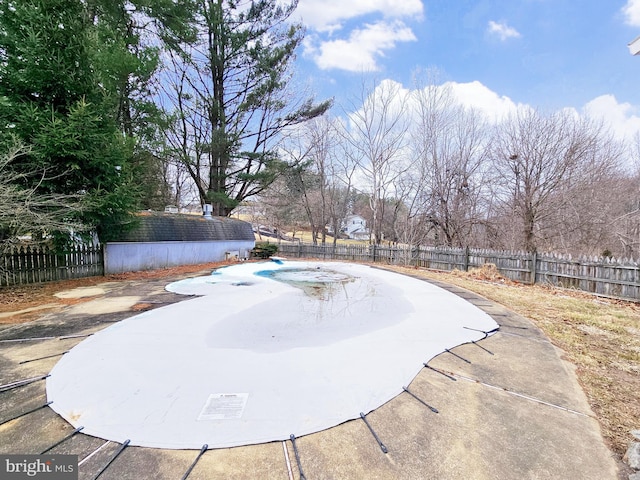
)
(166, 227)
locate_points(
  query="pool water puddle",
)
(317, 283)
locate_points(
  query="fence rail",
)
(610, 277)
(23, 264)
(617, 278)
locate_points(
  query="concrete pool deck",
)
(515, 411)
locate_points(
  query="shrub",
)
(264, 250)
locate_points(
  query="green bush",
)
(264, 250)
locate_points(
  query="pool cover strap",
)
(292, 437)
(193, 464)
(382, 446)
(433, 409)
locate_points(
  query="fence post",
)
(466, 258)
(617, 275)
(104, 257)
(534, 267)
(61, 265)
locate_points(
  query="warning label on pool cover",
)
(224, 406)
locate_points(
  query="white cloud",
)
(476, 95)
(328, 15)
(362, 49)
(502, 31)
(631, 12)
(471, 94)
(621, 118)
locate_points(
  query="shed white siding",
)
(122, 257)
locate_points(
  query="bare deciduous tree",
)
(24, 210)
(537, 157)
(377, 134)
(448, 142)
(319, 178)
(624, 224)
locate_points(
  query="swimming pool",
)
(264, 350)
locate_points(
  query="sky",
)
(548, 54)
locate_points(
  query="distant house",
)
(355, 227)
(162, 240)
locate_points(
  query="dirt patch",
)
(142, 307)
(37, 308)
(81, 292)
(24, 303)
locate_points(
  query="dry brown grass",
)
(601, 337)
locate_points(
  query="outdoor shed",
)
(162, 240)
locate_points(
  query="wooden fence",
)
(617, 278)
(610, 277)
(24, 264)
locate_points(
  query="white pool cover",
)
(294, 349)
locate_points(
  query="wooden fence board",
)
(600, 276)
(618, 278)
(23, 264)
